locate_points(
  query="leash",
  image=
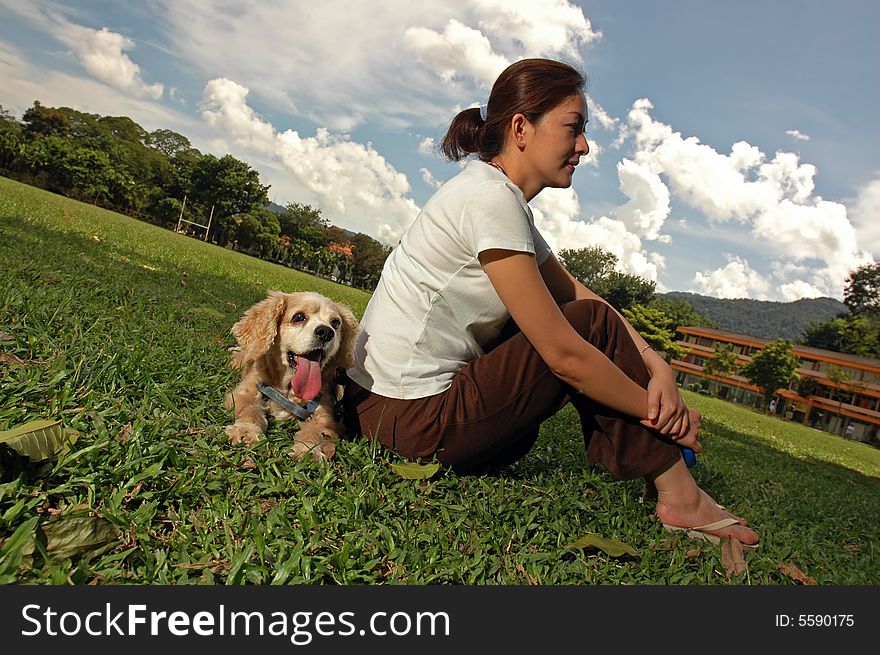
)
(303, 413)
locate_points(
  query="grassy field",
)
(120, 330)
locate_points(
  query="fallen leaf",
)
(36, 440)
(125, 433)
(528, 576)
(732, 557)
(134, 492)
(248, 464)
(413, 471)
(793, 572)
(80, 535)
(10, 359)
(694, 552)
(6, 337)
(612, 547)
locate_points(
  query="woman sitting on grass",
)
(476, 333)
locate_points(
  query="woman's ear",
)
(519, 128)
(256, 330)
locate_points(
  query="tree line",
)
(157, 176)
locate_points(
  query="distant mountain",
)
(761, 318)
(278, 209)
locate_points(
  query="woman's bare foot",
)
(681, 503)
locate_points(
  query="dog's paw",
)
(242, 433)
(320, 446)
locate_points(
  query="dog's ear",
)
(257, 328)
(350, 330)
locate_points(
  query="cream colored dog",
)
(289, 348)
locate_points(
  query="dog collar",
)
(276, 396)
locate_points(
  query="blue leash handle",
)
(690, 457)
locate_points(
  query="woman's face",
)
(555, 144)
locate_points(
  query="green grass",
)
(123, 331)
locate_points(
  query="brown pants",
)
(491, 414)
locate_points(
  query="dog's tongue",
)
(306, 381)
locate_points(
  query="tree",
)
(622, 290)
(862, 291)
(681, 313)
(229, 185)
(44, 121)
(854, 334)
(595, 268)
(773, 368)
(167, 142)
(11, 140)
(723, 363)
(655, 327)
(368, 258)
(257, 231)
(304, 222)
(843, 383)
(589, 265)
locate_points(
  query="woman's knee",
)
(585, 315)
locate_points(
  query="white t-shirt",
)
(434, 307)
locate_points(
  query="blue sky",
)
(735, 144)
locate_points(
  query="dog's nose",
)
(324, 333)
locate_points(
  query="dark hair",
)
(531, 87)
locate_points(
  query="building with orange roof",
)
(837, 393)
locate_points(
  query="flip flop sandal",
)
(698, 532)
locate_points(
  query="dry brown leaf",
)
(6, 337)
(248, 464)
(134, 492)
(732, 557)
(693, 553)
(528, 576)
(793, 572)
(11, 359)
(125, 433)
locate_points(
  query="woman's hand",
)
(669, 415)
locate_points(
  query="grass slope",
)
(122, 330)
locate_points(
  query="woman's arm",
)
(564, 287)
(533, 296)
(666, 407)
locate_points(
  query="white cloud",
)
(350, 181)
(458, 50)
(24, 81)
(865, 212)
(648, 205)
(796, 134)
(102, 55)
(735, 280)
(556, 216)
(101, 52)
(598, 115)
(224, 105)
(429, 178)
(799, 289)
(428, 146)
(540, 27)
(375, 77)
(773, 197)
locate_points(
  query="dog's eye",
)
(335, 323)
(299, 317)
